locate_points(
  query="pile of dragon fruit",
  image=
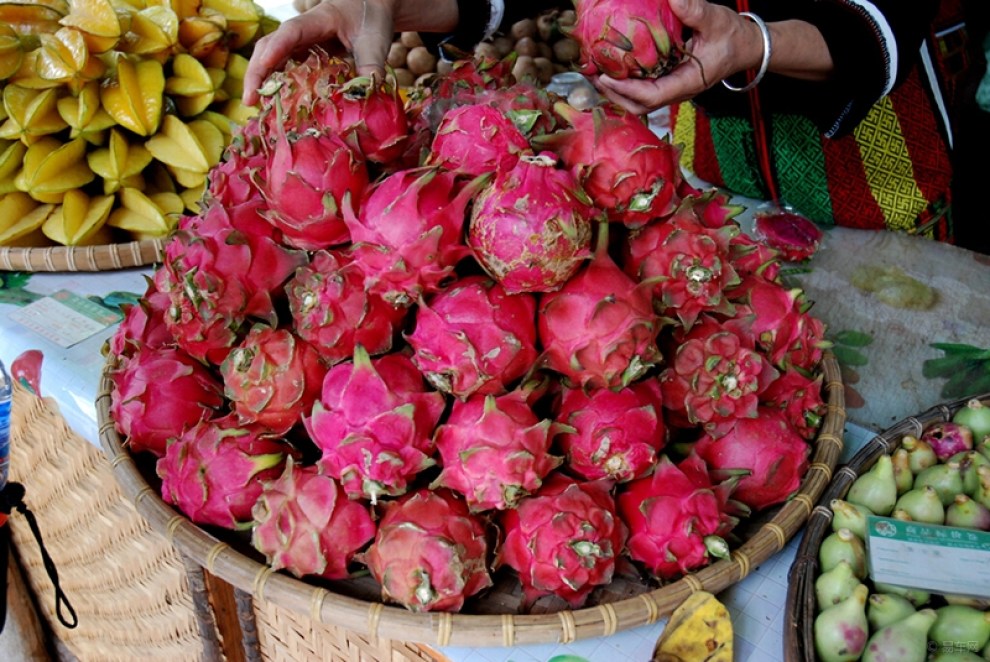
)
(473, 332)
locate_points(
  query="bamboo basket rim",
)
(376, 619)
(99, 257)
(801, 607)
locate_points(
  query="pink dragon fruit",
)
(375, 424)
(272, 378)
(474, 338)
(290, 96)
(332, 310)
(232, 181)
(306, 180)
(143, 325)
(634, 39)
(217, 278)
(768, 448)
(476, 140)
(616, 434)
(369, 115)
(677, 518)
(625, 168)
(716, 377)
(599, 330)
(304, 523)
(565, 540)
(799, 397)
(408, 232)
(495, 450)
(158, 393)
(530, 228)
(778, 322)
(793, 235)
(214, 471)
(430, 553)
(687, 263)
(754, 258)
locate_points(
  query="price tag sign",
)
(938, 559)
(65, 318)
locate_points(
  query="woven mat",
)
(128, 586)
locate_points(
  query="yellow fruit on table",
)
(51, 168)
(200, 34)
(189, 150)
(20, 218)
(154, 33)
(134, 97)
(193, 86)
(11, 159)
(11, 51)
(243, 20)
(32, 17)
(79, 219)
(85, 115)
(148, 217)
(699, 630)
(120, 164)
(64, 58)
(31, 114)
(98, 21)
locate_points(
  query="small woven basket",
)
(799, 634)
(104, 257)
(354, 608)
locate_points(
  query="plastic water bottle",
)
(6, 395)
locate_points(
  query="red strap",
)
(760, 130)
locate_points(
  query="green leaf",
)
(853, 338)
(960, 349)
(963, 383)
(945, 366)
(849, 356)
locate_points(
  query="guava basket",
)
(276, 616)
(99, 257)
(801, 608)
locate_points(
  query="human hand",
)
(722, 43)
(362, 27)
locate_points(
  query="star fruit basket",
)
(330, 357)
(112, 115)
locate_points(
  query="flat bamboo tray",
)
(353, 606)
(801, 609)
(105, 257)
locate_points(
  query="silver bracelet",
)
(767, 51)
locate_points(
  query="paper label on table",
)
(938, 559)
(65, 318)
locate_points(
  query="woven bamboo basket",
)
(354, 606)
(799, 634)
(103, 257)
